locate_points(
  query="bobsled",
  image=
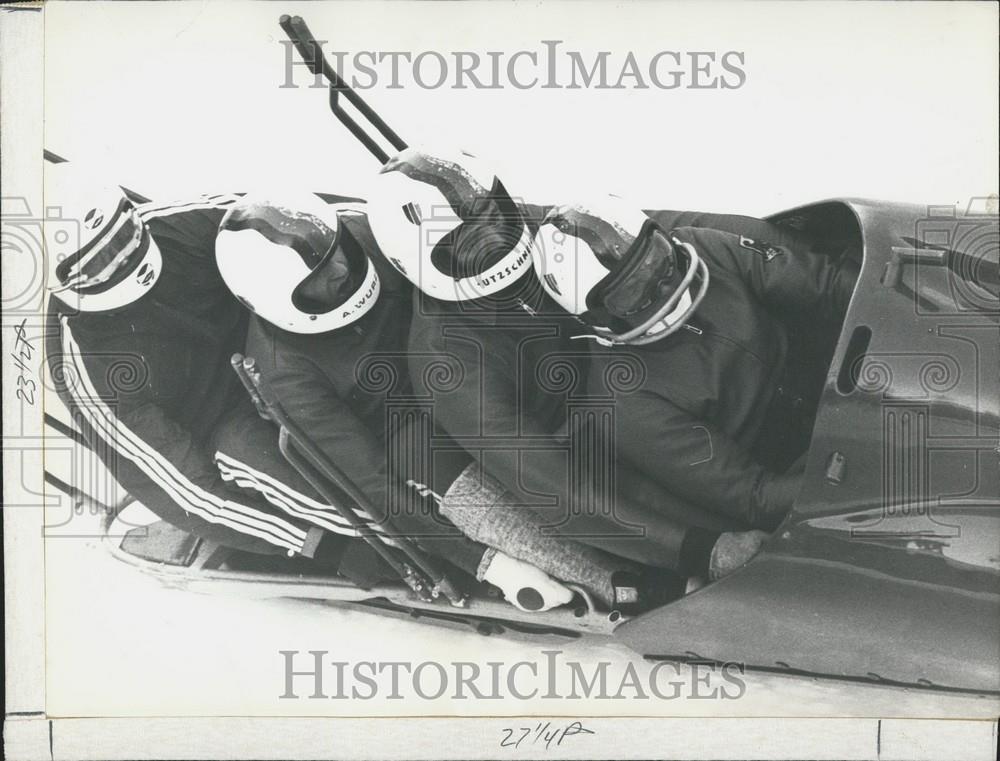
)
(887, 569)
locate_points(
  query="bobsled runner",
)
(886, 570)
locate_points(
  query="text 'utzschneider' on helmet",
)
(619, 271)
(99, 254)
(449, 225)
(293, 263)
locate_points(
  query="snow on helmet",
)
(448, 224)
(618, 270)
(99, 254)
(295, 264)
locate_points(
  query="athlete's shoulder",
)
(719, 249)
(198, 206)
(706, 237)
(188, 225)
(60, 317)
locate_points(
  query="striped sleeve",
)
(292, 501)
(130, 445)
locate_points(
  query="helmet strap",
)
(641, 334)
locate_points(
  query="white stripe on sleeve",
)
(291, 500)
(163, 473)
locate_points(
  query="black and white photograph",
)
(501, 379)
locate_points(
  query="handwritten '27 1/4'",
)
(541, 734)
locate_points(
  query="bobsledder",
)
(425, 589)
(848, 572)
(864, 552)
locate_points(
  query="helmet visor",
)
(335, 278)
(118, 244)
(491, 228)
(648, 275)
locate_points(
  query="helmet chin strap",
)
(682, 306)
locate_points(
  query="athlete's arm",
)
(157, 460)
(349, 442)
(644, 522)
(199, 500)
(333, 426)
(700, 463)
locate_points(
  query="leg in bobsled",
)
(477, 292)
(518, 378)
(328, 336)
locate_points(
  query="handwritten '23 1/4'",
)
(22, 354)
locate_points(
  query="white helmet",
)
(295, 264)
(99, 254)
(618, 271)
(448, 224)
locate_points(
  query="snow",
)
(122, 644)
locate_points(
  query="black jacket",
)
(152, 380)
(350, 390)
(694, 423)
(336, 385)
(512, 391)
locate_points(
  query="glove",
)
(733, 550)
(525, 586)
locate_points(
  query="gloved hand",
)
(525, 586)
(733, 550)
